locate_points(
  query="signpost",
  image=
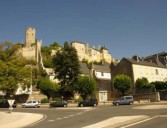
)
(11, 103)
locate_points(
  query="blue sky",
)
(125, 27)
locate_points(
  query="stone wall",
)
(154, 97)
(26, 97)
(163, 95)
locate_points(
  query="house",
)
(162, 58)
(137, 68)
(102, 75)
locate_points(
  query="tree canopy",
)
(46, 54)
(86, 86)
(122, 83)
(13, 69)
(48, 88)
(143, 83)
(67, 68)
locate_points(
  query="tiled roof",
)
(84, 69)
(102, 68)
(159, 54)
(146, 63)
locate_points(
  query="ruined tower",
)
(29, 37)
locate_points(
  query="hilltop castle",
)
(32, 47)
(92, 54)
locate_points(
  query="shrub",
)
(57, 99)
(160, 85)
(44, 100)
(80, 99)
(122, 83)
(143, 83)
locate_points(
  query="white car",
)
(31, 103)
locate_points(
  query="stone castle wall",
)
(92, 54)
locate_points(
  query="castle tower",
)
(29, 36)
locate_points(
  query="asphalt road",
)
(156, 122)
(76, 117)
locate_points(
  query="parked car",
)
(124, 100)
(31, 103)
(88, 102)
(5, 104)
(61, 103)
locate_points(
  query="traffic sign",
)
(11, 102)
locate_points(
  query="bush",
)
(160, 85)
(143, 83)
(57, 99)
(2, 100)
(80, 99)
(44, 100)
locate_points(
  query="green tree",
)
(122, 83)
(67, 68)
(86, 86)
(55, 46)
(160, 85)
(143, 83)
(48, 88)
(13, 69)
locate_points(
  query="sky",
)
(125, 27)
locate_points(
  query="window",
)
(148, 79)
(140, 69)
(161, 72)
(152, 71)
(152, 79)
(156, 71)
(102, 74)
(146, 71)
(128, 98)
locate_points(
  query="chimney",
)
(135, 57)
(157, 57)
(142, 58)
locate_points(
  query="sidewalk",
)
(18, 119)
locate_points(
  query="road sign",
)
(11, 102)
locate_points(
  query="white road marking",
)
(37, 121)
(113, 121)
(163, 116)
(59, 118)
(71, 115)
(51, 120)
(140, 122)
(66, 117)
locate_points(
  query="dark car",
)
(5, 104)
(62, 103)
(88, 102)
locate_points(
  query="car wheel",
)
(65, 105)
(51, 106)
(130, 103)
(95, 105)
(117, 104)
(24, 106)
(81, 105)
(36, 106)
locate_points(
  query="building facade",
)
(137, 68)
(102, 75)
